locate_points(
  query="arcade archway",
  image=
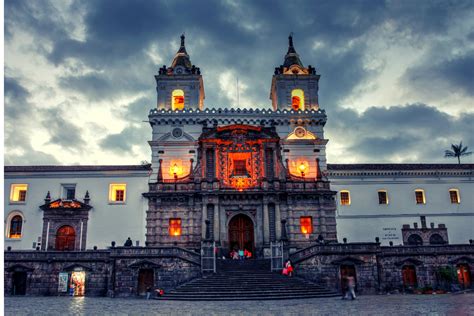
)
(241, 233)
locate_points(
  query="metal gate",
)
(276, 256)
(208, 256)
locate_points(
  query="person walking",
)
(148, 292)
(350, 283)
(289, 268)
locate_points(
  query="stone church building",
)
(235, 179)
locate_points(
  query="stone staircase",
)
(246, 280)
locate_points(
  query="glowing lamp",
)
(302, 168)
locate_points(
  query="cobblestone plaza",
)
(448, 304)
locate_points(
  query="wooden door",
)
(464, 276)
(241, 234)
(65, 238)
(409, 276)
(146, 279)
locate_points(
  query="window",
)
(383, 197)
(454, 196)
(420, 196)
(414, 240)
(175, 226)
(345, 198)
(65, 238)
(117, 192)
(239, 168)
(18, 192)
(177, 100)
(297, 100)
(306, 224)
(69, 191)
(16, 224)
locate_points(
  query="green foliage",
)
(446, 274)
(457, 152)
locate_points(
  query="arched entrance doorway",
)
(65, 238)
(146, 279)
(19, 283)
(241, 234)
(464, 275)
(347, 270)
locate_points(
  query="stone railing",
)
(156, 252)
(37, 256)
(335, 249)
(427, 250)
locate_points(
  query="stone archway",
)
(241, 233)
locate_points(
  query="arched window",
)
(177, 100)
(415, 240)
(16, 224)
(297, 100)
(436, 239)
(65, 238)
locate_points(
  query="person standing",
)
(148, 292)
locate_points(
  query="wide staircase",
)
(246, 280)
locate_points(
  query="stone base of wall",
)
(112, 272)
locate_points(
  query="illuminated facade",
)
(264, 166)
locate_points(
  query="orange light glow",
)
(176, 168)
(177, 100)
(175, 227)
(302, 167)
(297, 100)
(306, 223)
(65, 204)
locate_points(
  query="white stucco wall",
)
(364, 219)
(107, 221)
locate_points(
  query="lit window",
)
(454, 196)
(16, 224)
(239, 168)
(18, 192)
(306, 223)
(177, 100)
(175, 226)
(117, 192)
(345, 198)
(420, 196)
(297, 100)
(383, 197)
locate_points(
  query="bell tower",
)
(294, 87)
(180, 86)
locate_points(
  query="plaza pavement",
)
(448, 304)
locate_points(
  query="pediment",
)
(77, 267)
(409, 261)
(65, 204)
(168, 137)
(144, 264)
(463, 259)
(348, 260)
(19, 268)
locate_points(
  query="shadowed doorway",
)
(241, 233)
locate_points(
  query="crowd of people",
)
(240, 254)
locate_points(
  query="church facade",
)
(241, 179)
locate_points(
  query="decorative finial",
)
(290, 39)
(86, 197)
(48, 198)
(182, 39)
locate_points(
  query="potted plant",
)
(446, 275)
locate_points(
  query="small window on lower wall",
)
(306, 224)
(345, 197)
(117, 192)
(420, 196)
(383, 197)
(454, 196)
(175, 227)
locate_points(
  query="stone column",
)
(277, 221)
(216, 221)
(204, 217)
(266, 223)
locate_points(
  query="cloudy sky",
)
(397, 77)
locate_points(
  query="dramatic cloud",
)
(84, 70)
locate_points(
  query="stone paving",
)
(448, 304)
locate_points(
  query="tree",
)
(457, 151)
